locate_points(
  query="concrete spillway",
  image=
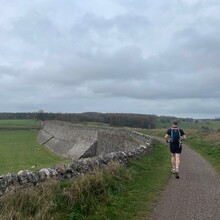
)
(78, 141)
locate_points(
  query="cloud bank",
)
(111, 56)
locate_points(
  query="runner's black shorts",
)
(175, 148)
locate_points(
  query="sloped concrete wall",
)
(78, 141)
(66, 139)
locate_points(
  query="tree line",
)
(113, 119)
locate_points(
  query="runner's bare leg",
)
(177, 161)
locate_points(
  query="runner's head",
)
(175, 124)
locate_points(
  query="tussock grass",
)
(112, 193)
(60, 199)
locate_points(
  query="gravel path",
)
(195, 196)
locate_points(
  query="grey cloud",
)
(36, 29)
(127, 63)
(135, 4)
(106, 34)
(159, 56)
(6, 70)
(196, 106)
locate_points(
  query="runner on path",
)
(197, 194)
(174, 136)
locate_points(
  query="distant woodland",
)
(113, 119)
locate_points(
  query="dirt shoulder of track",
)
(195, 196)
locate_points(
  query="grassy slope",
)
(115, 193)
(149, 176)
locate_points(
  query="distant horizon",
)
(168, 116)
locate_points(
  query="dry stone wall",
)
(116, 140)
(108, 146)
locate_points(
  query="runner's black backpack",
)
(175, 135)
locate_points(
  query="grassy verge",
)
(148, 175)
(19, 150)
(113, 193)
(207, 144)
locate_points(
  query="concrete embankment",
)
(78, 141)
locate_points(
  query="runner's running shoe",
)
(177, 175)
(173, 170)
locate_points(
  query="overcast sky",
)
(130, 56)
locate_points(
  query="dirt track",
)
(195, 196)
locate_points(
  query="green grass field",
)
(20, 150)
(195, 124)
(19, 123)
